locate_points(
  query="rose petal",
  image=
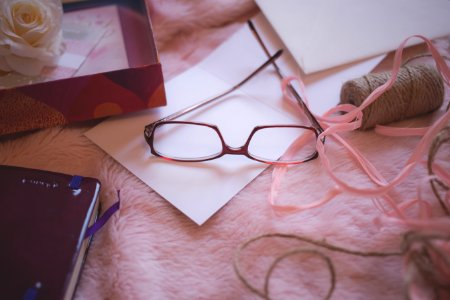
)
(25, 50)
(4, 65)
(7, 14)
(35, 36)
(24, 66)
(29, 16)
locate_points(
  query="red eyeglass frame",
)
(226, 149)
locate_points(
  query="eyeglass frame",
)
(149, 129)
(227, 149)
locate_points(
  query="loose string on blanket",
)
(426, 255)
(422, 55)
(418, 90)
(425, 260)
(439, 182)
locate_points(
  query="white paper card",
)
(197, 189)
(326, 33)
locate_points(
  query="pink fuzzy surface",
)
(149, 250)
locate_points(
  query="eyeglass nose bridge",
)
(242, 150)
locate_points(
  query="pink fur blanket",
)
(149, 250)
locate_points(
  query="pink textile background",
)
(149, 250)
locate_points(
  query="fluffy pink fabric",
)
(149, 250)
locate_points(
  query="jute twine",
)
(441, 138)
(422, 250)
(426, 255)
(418, 90)
(265, 293)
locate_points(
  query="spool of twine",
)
(418, 90)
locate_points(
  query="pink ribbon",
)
(350, 119)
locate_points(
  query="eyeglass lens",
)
(181, 141)
(271, 143)
(186, 141)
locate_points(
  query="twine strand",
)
(407, 61)
(425, 256)
(324, 257)
(441, 138)
(323, 244)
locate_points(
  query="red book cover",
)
(43, 221)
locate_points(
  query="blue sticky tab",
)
(32, 292)
(75, 183)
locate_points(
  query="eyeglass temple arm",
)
(209, 100)
(294, 92)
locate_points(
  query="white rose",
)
(30, 35)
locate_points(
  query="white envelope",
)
(321, 34)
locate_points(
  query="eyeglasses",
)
(186, 141)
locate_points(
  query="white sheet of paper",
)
(201, 189)
(326, 33)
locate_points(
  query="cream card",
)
(322, 34)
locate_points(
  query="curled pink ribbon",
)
(350, 119)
